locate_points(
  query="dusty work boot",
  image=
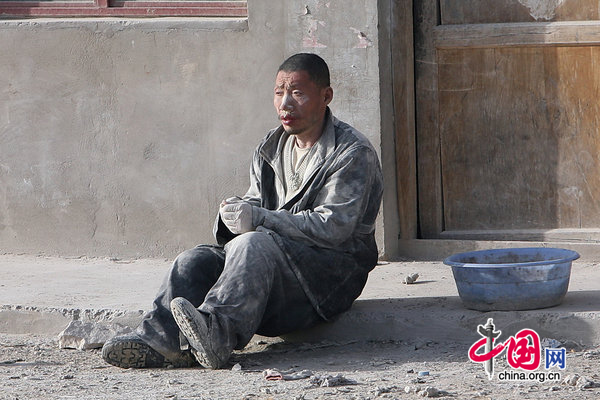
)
(130, 351)
(194, 327)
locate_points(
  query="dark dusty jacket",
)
(327, 230)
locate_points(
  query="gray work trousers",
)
(244, 288)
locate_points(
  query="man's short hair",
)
(314, 65)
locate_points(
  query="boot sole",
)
(186, 316)
(132, 355)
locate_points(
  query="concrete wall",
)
(120, 137)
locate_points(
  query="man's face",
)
(300, 103)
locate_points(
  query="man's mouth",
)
(286, 118)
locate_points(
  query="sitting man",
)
(294, 251)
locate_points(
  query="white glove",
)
(237, 216)
(231, 200)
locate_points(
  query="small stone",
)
(429, 391)
(410, 279)
(67, 377)
(330, 380)
(584, 383)
(237, 367)
(422, 344)
(383, 390)
(550, 343)
(571, 380)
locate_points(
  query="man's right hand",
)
(237, 215)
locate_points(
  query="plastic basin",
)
(512, 279)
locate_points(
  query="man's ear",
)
(328, 95)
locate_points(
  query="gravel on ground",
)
(33, 367)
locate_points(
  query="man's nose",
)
(286, 102)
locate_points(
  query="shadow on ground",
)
(445, 320)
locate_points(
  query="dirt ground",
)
(33, 367)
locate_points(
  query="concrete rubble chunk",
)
(88, 335)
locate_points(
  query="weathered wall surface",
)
(120, 137)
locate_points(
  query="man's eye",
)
(297, 93)
(278, 93)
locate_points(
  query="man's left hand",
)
(237, 217)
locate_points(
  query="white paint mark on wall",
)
(188, 71)
(542, 9)
(310, 40)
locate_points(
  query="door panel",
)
(508, 120)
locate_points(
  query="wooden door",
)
(508, 119)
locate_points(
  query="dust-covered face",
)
(300, 103)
